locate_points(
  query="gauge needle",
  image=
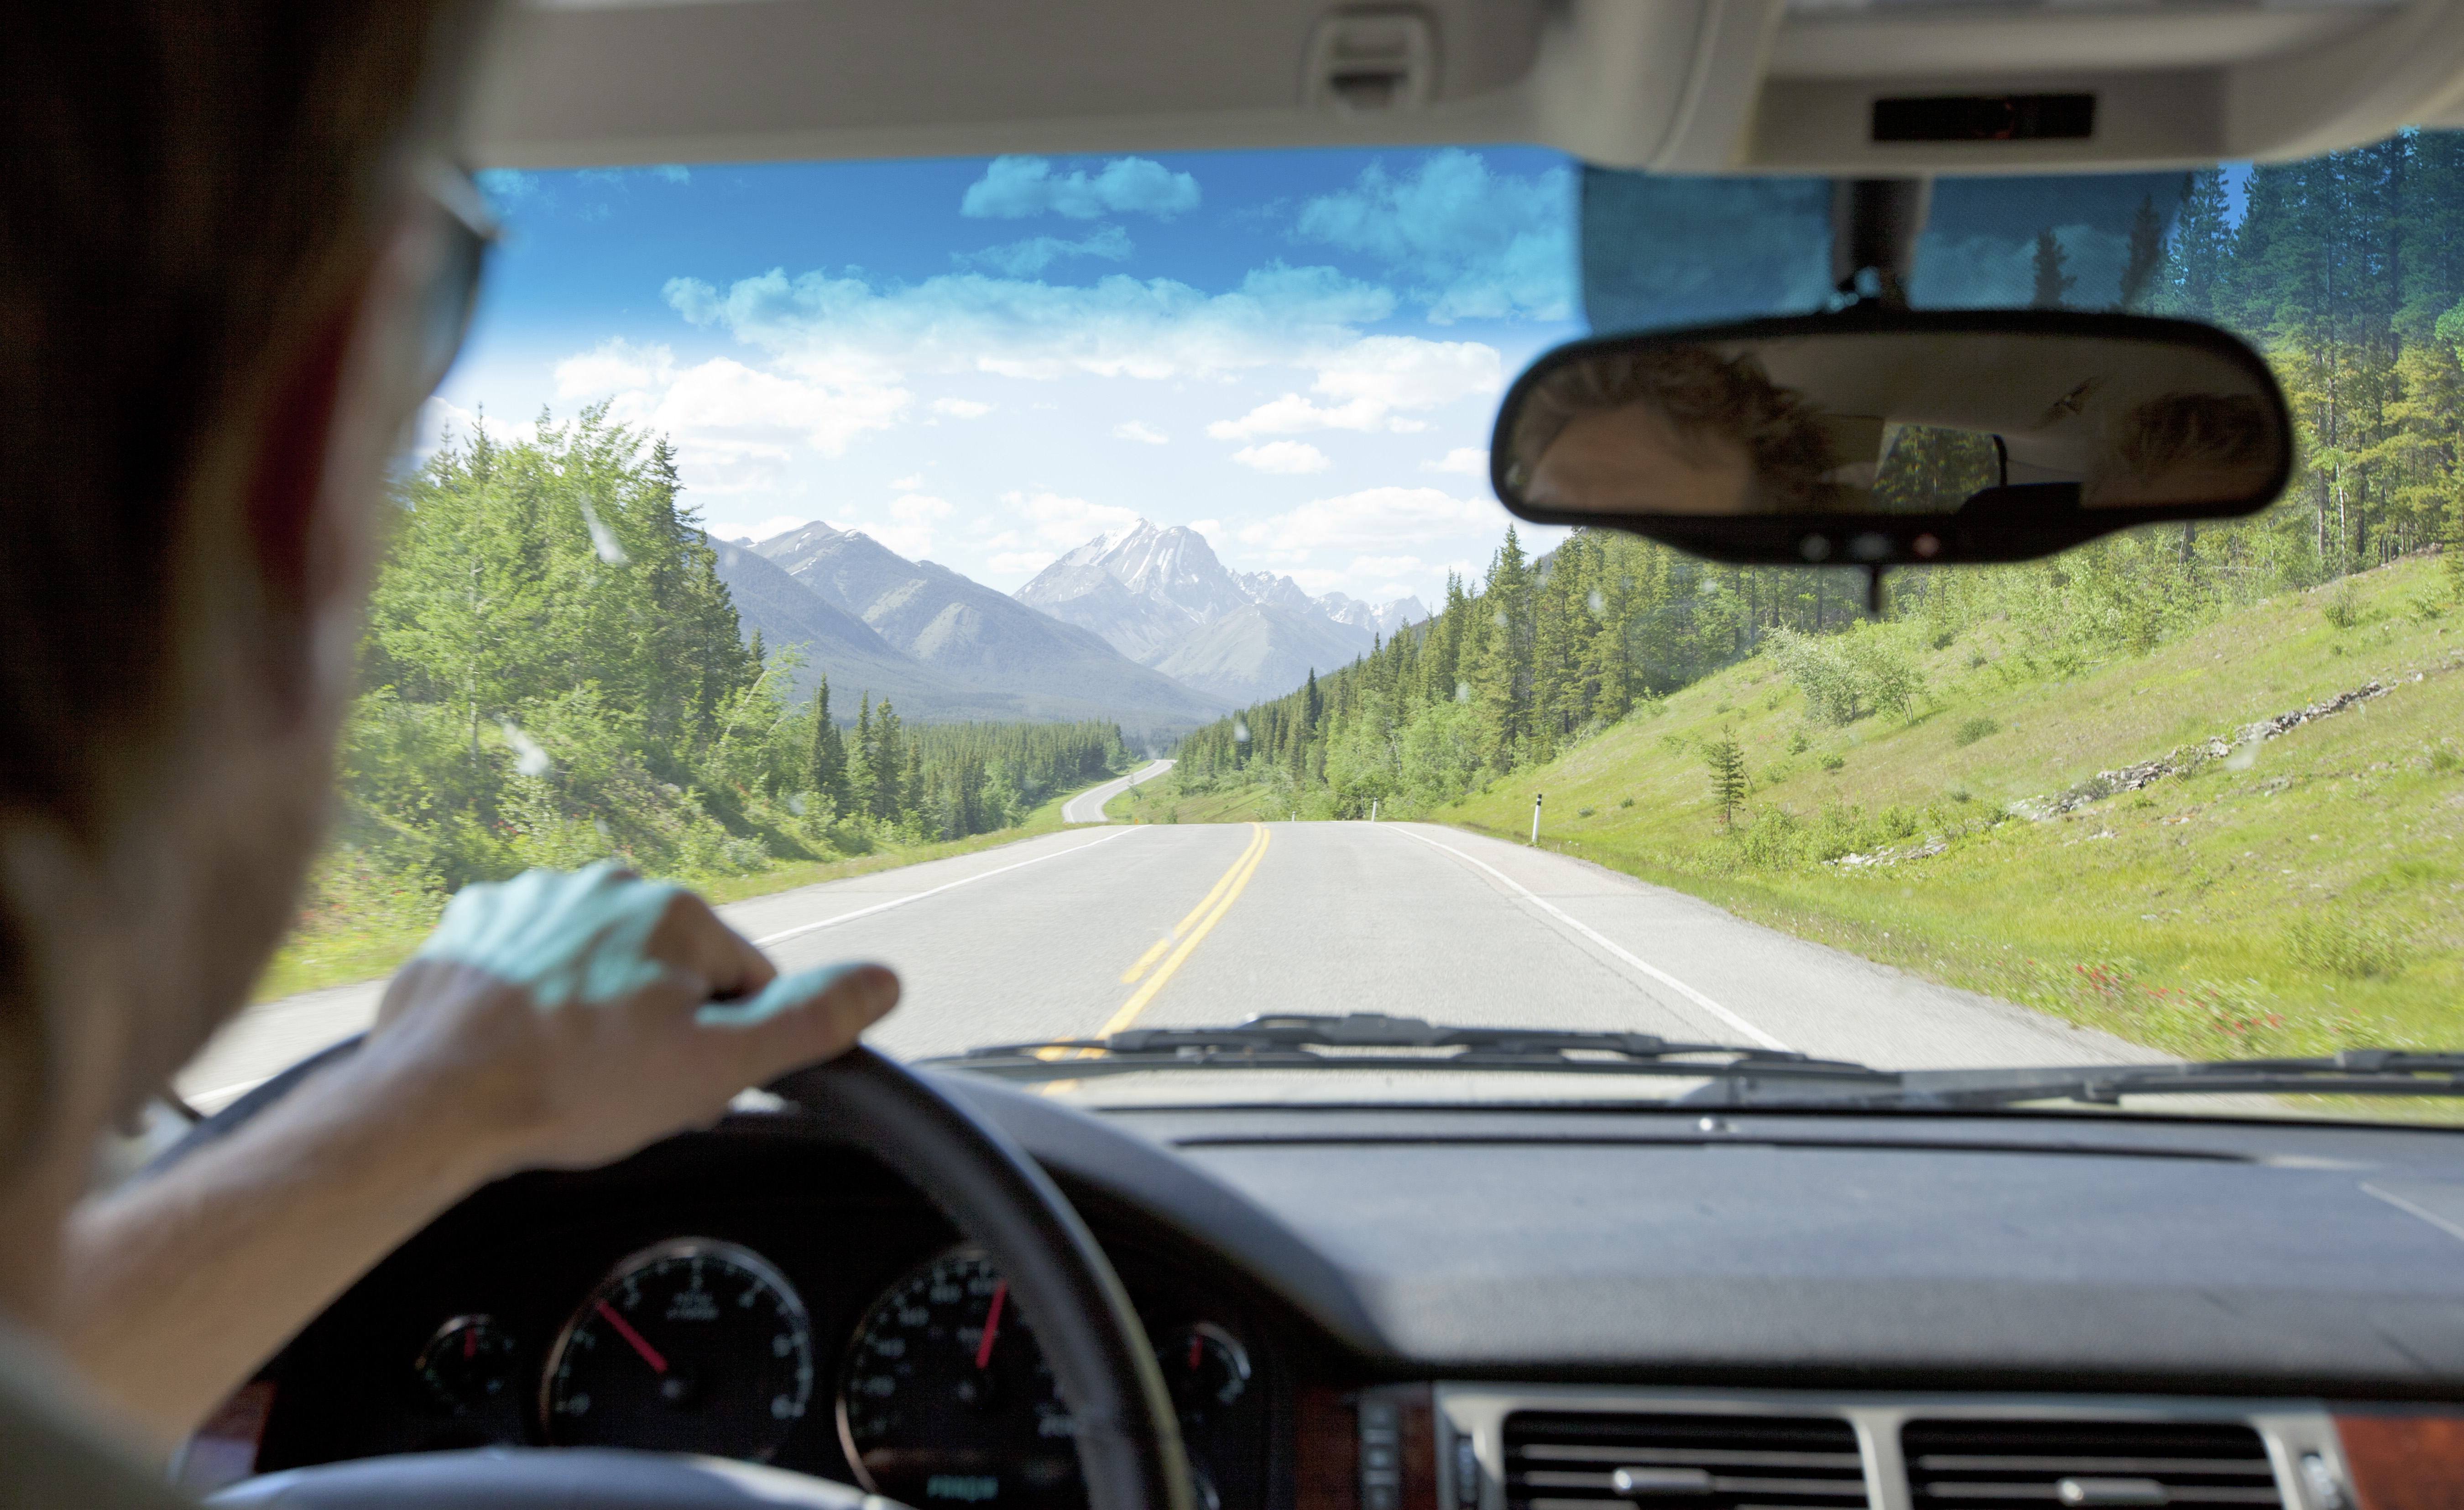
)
(641, 1344)
(992, 1326)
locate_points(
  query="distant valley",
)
(1145, 627)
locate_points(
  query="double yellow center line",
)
(1186, 933)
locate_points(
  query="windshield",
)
(1076, 584)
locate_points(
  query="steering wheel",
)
(1127, 1432)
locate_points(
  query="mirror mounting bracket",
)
(1874, 223)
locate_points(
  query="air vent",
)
(1682, 1461)
(2083, 1465)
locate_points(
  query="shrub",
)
(1625, 801)
(2443, 758)
(1582, 812)
(1976, 729)
(1833, 762)
(2343, 605)
(2341, 946)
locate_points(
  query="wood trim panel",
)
(2405, 1462)
(1419, 1448)
(1326, 1453)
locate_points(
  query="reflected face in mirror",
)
(1900, 419)
(1680, 431)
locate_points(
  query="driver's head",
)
(1674, 431)
(220, 251)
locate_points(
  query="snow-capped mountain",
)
(1155, 593)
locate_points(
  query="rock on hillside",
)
(972, 634)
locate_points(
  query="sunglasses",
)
(453, 293)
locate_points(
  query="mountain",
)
(1141, 590)
(968, 633)
(1162, 598)
(845, 648)
(1379, 619)
(1260, 650)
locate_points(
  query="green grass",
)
(2310, 899)
(361, 942)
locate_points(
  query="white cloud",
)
(1478, 244)
(1140, 430)
(776, 524)
(1370, 519)
(1068, 521)
(842, 331)
(917, 508)
(612, 367)
(1014, 188)
(722, 407)
(961, 408)
(1020, 259)
(1284, 457)
(1472, 461)
(1374, 377)
(909, 483)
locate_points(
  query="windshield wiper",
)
(2352, 1072)
(1352, 1042)
(1740, 1076)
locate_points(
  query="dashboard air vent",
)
(2083, 1465)
(1682, 1461)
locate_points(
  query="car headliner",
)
(1671, 85)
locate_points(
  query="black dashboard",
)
(1375, 1308)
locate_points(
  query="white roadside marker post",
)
(1373, 809)
(1535, 817)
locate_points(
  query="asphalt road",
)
(1077, 933)
(1087, 807)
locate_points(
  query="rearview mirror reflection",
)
(1897, 436)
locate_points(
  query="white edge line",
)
(767, 940)
(2401, 1204)
(1597, 937)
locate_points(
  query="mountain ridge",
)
(1160, 596)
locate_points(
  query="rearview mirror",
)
(1895, 437)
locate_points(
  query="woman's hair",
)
(186, 184)
(1702, 395)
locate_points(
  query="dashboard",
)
(1435, 1309)
(744, 1294)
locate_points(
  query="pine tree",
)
(2053, 284)
(1727, 763)
(828, 761)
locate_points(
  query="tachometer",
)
(945, 1398)
(692, 1346)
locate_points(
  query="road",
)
(1087, 807)
(1076, 932)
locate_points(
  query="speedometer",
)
(945, 1398)
(692, 1346)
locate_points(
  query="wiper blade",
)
(2352, 1072)
(1300, 1042)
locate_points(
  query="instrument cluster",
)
(929, 1389)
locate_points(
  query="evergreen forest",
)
(552, 674)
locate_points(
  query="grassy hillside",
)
(2285, 895)
(2302, 892)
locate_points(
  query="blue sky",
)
(985, 363)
